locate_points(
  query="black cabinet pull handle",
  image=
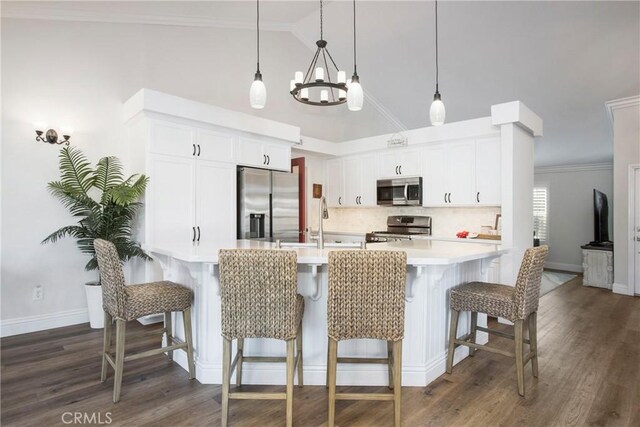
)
(396, 170)
(264, 159)
(198, 235)
(194, 150)
(268, 160)
(340, 200)
(193, 239)
(478, 197)
(400, 169)
(445, 197)
(360, 199)
(198, 150)
(449, 196)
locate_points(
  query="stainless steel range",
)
(402, 228)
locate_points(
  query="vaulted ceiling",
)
(562, 59)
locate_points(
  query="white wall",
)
(570, 219)
(79, 74)
(626, 146)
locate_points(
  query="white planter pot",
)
(94, 304)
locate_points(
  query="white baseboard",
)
(574, 268)
(41, 322)
(621, 288)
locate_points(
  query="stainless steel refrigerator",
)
(267, 205)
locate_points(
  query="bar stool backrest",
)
(258, 288)
(366, 294)
(527, 290)
(111, 278)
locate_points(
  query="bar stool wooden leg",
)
(291, 369)
(106, 345)
(331, 371)
(533, 339)
(397, 381)
(120, 340)
(168, 325)
(453, 330)
(188, 336)
(328, 346)
(390, 363)
(226, 379)
(519, 357)
(239, 363)
(472, 332)
(299, 356)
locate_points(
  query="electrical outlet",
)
(38, 293)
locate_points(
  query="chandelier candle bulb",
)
(324, 96)
(298, 77)
(319, 74)
(342, 77)
(304, 94)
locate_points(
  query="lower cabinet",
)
(184, 202)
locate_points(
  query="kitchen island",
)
(433, 267)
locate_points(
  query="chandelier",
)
(317, 80)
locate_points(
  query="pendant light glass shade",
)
(355, 95)
(258, 94)
(437, 111)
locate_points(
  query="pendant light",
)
(305, 87)
(355, 95)
(258, 92)
(437, 111)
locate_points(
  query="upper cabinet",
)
(334, 191)
(187, 141)
(360, 176)
(402, 162)
(462, 174)
(488, 172)
(264, 155)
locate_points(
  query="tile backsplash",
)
(447, 221)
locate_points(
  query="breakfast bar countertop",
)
(419, 252)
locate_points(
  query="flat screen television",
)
(600, 219)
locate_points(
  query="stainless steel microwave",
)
(400, 192)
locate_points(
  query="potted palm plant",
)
(105, 204)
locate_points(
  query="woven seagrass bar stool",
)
(122, 303)
(258, 288)
(366, 300)
(517, 304)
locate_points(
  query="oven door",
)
(399, 192)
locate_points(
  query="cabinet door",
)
(352, 182)
(370, 170)
(434, 182)
(215, 146)
(215, 203)
(390, 164)
(461, 163)
(334, 191)
(409, 163)
(172, 139)
(278, 157)
(250, 153)
(488, 172)
(171, 202)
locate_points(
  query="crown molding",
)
(29, 11)
(617, 104)
(574, 168)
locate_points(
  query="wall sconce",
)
(51, 136)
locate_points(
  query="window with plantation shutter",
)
(540, 213)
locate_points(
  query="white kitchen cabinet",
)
(488, 172)
(187, 195)
(466, 173)
(402, 162)
(360, 176)
(180, 140)
(334, 179)
(171, 192)
(264, 155)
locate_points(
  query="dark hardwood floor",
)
(589, 343)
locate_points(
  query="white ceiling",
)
(562, 59)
